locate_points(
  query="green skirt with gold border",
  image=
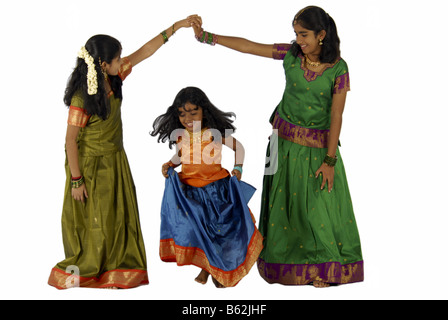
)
(309, 233)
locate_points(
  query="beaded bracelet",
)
(77, 182)
(330, 161)
(207, 37)
(165, 37)
(239, 168)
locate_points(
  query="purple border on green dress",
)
(302, 274)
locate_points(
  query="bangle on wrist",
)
(165, 37)
(330, 161)
(171, 164)
(207, 37)
(76, 183)
(239, 168)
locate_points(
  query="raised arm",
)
(149, 48)
(246, 46)
(235, 43)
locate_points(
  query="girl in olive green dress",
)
(101, 231)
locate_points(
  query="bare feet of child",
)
(217, 284)
(202, 277)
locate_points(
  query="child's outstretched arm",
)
(71, 146)
(235, 43)
(153, 45)
(238, 148)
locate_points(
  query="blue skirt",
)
(210, 227)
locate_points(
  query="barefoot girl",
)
(102, 238)
(205, 218)
(307, 220)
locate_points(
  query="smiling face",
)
(308, 40)
(189, 114)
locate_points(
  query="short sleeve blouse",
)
(307, 97)
(77, 115)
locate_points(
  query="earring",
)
(104, 73)
(320, 42)
(103, 70)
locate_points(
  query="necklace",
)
(311, 63)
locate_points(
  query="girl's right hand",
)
(165, 168)
(196, 23)
(80, 194)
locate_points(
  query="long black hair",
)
(101, 48)
(316, 19)
(214, 118)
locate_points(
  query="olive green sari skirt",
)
(102, 237)
(309, 233)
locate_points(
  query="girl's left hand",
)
(196, 22)
(327, 176)
(237, 173)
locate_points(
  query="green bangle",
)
(210, 38)
(165, 37)
(330, 161)
(239, 168)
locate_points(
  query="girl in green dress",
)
(101, 231)
(307, 220)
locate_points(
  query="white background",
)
(393, 135)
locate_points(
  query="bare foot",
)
(217, 284)
(320, 284)
(202, 277)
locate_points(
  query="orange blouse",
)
(201, 159)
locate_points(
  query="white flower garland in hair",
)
(92, 80)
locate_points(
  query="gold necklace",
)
(311, 63)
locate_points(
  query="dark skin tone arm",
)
(337, 109)
(236, 43)
(71, 146)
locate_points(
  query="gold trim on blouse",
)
(125, 68)
(77, 117)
